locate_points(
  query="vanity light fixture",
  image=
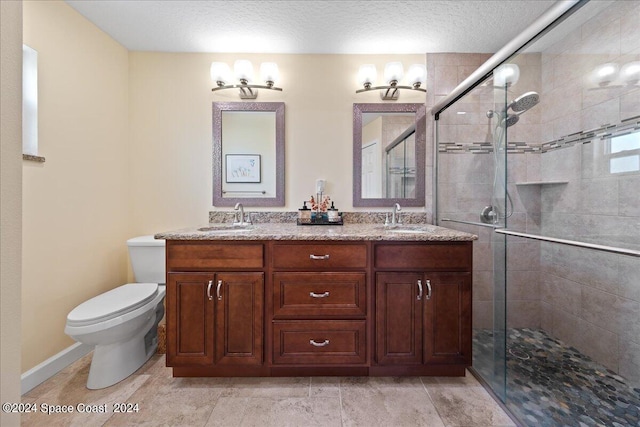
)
(243, 70)
(393, 73)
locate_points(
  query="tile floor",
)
(301, 401)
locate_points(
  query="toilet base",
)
(111, 363)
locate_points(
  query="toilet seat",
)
(111, 304)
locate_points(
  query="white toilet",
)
(123, 322)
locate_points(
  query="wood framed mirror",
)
(248, 153)
(389, 150)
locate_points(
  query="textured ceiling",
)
(328, 26)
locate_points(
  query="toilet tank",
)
(147, 259)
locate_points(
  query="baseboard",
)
(45, 370)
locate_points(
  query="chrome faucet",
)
(395, 216)
(241, 221)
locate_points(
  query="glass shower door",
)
(471, 196)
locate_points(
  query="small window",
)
(30, 104)
(624, 153)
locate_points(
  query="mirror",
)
(248, 153)
(388, 154)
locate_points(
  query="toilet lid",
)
(113, 303)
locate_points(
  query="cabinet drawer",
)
(320, 256)
(319, 342)
(432, 256)
(190, 256)
(319, 294)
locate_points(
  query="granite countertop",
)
(292, 231)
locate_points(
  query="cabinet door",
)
(447, 319)
(189, 319)
(398, 319)
(239, 328)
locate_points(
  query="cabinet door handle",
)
(428, 289)
(319, 344)
(419, 289)
(218, 290)
(209, 290)
(314, 295)
(312, 256)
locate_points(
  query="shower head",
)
(524, 102)
(510, 120)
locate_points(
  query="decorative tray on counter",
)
(320, 221)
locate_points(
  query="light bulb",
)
(416, 75)
(367, 75)
(604, 74)
(269, 73)
(506, 75)
(630, 73)
(243, 70)
(393, 71)
(220, 73)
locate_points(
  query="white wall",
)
(11, 206)
(75, 205)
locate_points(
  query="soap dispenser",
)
(334, 215)
(304, 214)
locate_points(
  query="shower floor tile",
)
(552, 384)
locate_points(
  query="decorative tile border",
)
(629, 125)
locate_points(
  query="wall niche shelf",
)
(541, 183)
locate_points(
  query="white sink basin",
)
(225, 229)
(410, 229)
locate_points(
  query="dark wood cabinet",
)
(189, 319)
(423, 318)
(215, 306)
(398, 319)
(284, 308)
(239, 318)
(215, 319)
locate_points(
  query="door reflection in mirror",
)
(388, 155)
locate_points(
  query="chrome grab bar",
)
(479, 224)
(311, 256)
(319, 344)
(323, 295)
(611, 249)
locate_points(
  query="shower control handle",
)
(209, 296)
(419, 289)
(428, 289)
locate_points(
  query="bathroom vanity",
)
(284, 300)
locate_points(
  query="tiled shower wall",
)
(590, 299)
(465, 184)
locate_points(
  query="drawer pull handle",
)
(312, 256)
(420, 290)
(218, 290)
(428, 289)
(209, 290)
(314, 295)
(319, 344)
